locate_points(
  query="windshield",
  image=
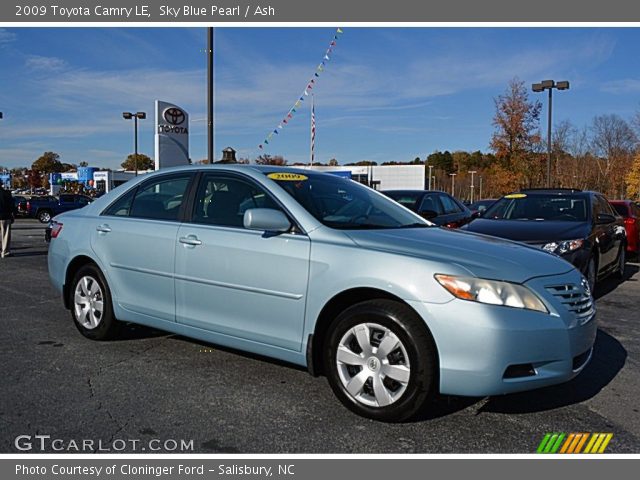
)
(520, 206)
(344, 204)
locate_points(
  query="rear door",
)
(238, 282)
(135, 239)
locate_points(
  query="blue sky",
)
(386, 94)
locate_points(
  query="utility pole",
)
(453, 183)
(210, 140)
(472, 172)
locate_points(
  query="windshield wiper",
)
(417, 225)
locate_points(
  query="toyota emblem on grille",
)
(174, 116)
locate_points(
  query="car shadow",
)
(609, 356)
(609, 284)
(131, 331)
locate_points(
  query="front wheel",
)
(380, 360)
(91, 307)
(622, 260)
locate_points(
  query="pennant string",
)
(310, 84)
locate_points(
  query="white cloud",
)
(37, 62)
(622, 86)
(6, 36)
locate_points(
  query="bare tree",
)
(613, 143)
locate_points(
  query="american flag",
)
(313, 129)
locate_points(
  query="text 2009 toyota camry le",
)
(323, 272)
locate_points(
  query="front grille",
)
(575, 298)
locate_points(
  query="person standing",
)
(7, 209)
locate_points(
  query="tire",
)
(622, 260)
(44, 216)
(391, 385)
(91, 307)
(591, 272)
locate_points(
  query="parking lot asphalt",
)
(151, 385)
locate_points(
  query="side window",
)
(450, 206)
(122, 206)
(431, 202)
(602, 206)
(222, 200)
(158, 200)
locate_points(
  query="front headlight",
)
(564, 246)
(491, 292)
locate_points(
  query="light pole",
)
(472, 172)
(135, 116)
(480, 188)
(430, 168)
(453, 183)
(541, 87)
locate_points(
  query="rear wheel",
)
(44, 216)
(91, 307)
(381, 360)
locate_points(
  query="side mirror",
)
(266, 220)
(428, 214)
(605, 218)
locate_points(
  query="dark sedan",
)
(581, 227)
(437, 207)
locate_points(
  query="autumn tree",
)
(516, 134)
(34, 178)
(333, 162)
(48, 162)
(633, 178)
(143, 162)
(266, 159)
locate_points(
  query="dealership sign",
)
(172, 135)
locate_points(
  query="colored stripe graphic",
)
(574, 443)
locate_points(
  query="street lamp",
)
(430, 168)
(453, 183)
(541, 87)
(135, 116)
(480, 188)
(472, 172)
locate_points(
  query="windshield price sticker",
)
(287, 177)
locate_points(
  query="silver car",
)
(323, 272)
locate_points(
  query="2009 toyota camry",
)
(323, 272)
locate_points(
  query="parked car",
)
(480, 206)
(630, 212)
(46, 207)
(437, 207)
(326, 273)
(580, 226)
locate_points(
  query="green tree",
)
(143, 162)
(333, 162)
(48, 162)
(441, 160)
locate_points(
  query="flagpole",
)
(312, 128)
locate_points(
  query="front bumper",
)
(481, 346)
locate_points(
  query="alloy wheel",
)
(88, 302)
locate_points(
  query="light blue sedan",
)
(326, 273)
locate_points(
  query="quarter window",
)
(450, 206)
(157, 200)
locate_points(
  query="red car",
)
(631, 214)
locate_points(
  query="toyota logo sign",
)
(174, 116)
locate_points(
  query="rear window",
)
(520, 206)
(621, 209)
(409, 200)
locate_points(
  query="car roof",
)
(412, 191)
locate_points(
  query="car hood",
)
(530, 231)
(482, 256)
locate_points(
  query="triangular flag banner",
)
(305, 93)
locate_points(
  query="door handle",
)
(190, 240)
(103, 229)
